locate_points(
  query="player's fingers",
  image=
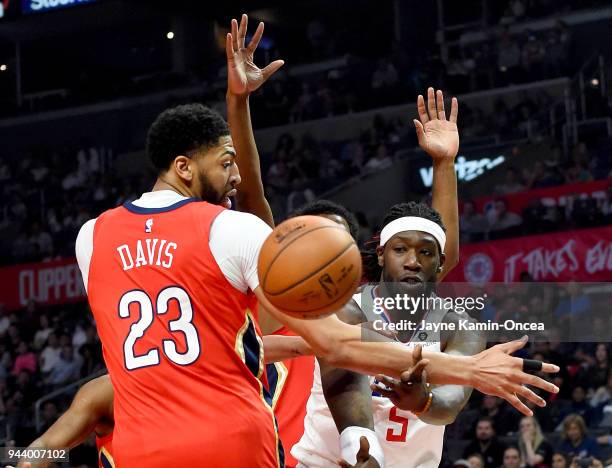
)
(272, 68)
(528, 394)
(388, 381)
(440, 105)
(420, 131)
(431, 104)
(417, 353)
(364, 450)
(344, 464)
(383, 391)
(517, 403)
(415, 374)
(535, 381)
(513, 346)
(234, 32)
(229, 49)
(242, 30)
(454, 110)
(422, 111)
(549, 368)
(256, 38)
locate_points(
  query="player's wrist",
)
(236, 99)
(349, 444)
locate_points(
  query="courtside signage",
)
(466, 170)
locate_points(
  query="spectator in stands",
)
(299, 195)
(597, 373)
(4, 320)
(534, 448)
(384, 80)
(511, 184)
(25, 360)
(49, 415)
(504, 420)
(533, 54)
(472, 225)
(67, 368)
(485, 444)
(503, 223)
(43, 332)
(578, 405)
(508, 57)
(462, 463)
(50, 355)
(476, 461)
(512, 458)
(575, 441)
(380, 161)
(560, 460)
(603, 394)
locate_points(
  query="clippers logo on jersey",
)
(149, 225)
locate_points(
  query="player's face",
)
(411, 258)
(218, 173)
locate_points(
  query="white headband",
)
(413, 223)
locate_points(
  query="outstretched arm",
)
(92, 407)
(439, 138)
(492, 371)
(244, 77)
(280, 348)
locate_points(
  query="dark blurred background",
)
(81, 81)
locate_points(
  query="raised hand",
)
(437, 136)
(501, 375)
(364, 460)
(243, 76)
(411, 392)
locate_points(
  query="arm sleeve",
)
(84, 248)
(235, 241)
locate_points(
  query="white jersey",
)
(406, 440)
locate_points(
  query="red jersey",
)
(105, 451)
(290, 385)
(181, 344)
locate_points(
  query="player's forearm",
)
(348, 397)
(281, 348)
(447, 403)
(251, 195)
(444, 201)
(389, 359)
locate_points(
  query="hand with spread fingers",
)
(243, 76)
(504, 376)
(411, 392)
(438, 136)
(364, 460)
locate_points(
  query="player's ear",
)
(442, 260)
(183, 168)
(380, 250)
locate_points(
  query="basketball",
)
(309, 266)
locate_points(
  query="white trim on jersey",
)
(235, 240)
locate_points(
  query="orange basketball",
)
(309, 266)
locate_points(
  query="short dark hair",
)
(371, 268)
(320, 207)
(182, 129)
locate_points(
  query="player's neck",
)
(161, 184)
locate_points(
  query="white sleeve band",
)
(84, 249)
(349, 444)
(235, 241)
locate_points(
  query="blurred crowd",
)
(578, 211)
(42, 349)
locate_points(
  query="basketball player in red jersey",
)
(172, 283)
(91, 410)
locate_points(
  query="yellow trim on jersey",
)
(283, 373)
(239, 347)
(108, 456)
